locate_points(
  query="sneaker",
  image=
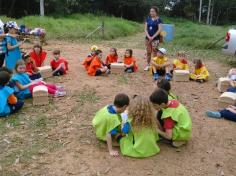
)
(60, 88)
(155, 76)
(147, 68)
(59, 94)
(168, 77)
(178, 143)
(213, 114)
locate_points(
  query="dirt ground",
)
(58, 139)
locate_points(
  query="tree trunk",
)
(11, 8)
(208, 12)
(212, 12)
(41, 7)
(200, 12)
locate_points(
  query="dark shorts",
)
(98, 73)
(2, 58)
(59, 72)
(35, 76)
(161, 72)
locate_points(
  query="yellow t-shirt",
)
(180, 65)
(160, 60)
(202, 71)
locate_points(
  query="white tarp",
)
(1, 24)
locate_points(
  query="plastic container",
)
(168, 32)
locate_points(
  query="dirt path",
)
(66, 144)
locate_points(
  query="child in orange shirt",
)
(130, 62)
(31, 68)
(97, 67)
(86, 63)
(112, 57)
(59, 64)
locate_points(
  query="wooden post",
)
(41, 7)
(103, 32)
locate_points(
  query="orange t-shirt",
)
(31, 67)
(94, 66)
(38, 58)
(129, 61)
(111, 59)
(86, 63)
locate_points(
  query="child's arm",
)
(10, 47)
(131, 65)
(231, 110)
(232, 83)
(167, 64)
(155, 64)
(167, 134)
(109, 145)
(21, 87)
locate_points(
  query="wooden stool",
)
(45, 71)
(40, 95)
(226, 99)
(181, 75)
(223, 84)
(117, 67)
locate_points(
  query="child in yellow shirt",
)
(160, 65)
(200, 73)
(181, 62)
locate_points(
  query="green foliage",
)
(78, 26)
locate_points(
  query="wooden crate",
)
(181, 75)
(226, 99)
(40, 95)
(223, 84)
(45, 71)
(117, 67)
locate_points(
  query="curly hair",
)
(142, 113)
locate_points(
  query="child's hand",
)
(114, 153)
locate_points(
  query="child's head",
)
(26, 58)
(198, 63)
(142, 114)
(159, 99)
(12, 27)
(121, 102)
(56, 54)
(128, 53)
(181, 55)
(37, 48)
(94, 48)
(4, 78)
(113, 51)
(98, 53)
(161, 52)
(164, 84)
(6, 70)
(20, 66)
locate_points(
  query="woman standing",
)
(152, 31)
(13, 47)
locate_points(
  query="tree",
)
(42, 7)
(208, 12)
(200, 12)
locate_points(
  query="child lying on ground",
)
(38, 55)
(26, 86)
(31, 68)
(232, 77)
(181, 62)
(8, 102)
(228, 113)
(160, 65)
(107, 121)
(200, 73)
(130, 62)
(112, 57)
(59, 64)
(142, 137)
(97, 67)
(177, 124)
(86, 63)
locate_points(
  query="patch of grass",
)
(87, 95)
(40, 122)
(79, 25)
(123, 79)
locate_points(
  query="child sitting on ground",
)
(142, 137)
(97, 67)
(112, 57)
(26, 86)
(200, 73)
(31, 68)
(232, 77)
(8, 102)
(228, 113)
(59, 64)
(107, 121)
(177, 124)
(130, 62)
(181, 62)
(38, 55)
(160, 67)
(90, 57)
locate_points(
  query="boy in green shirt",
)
(177, 126)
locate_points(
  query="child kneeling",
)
(107, 122)
(25, 85)
(141, 141)
(175, 124)
(8, 102)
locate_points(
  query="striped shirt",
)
(3, 46)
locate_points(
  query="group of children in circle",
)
(20, 74)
